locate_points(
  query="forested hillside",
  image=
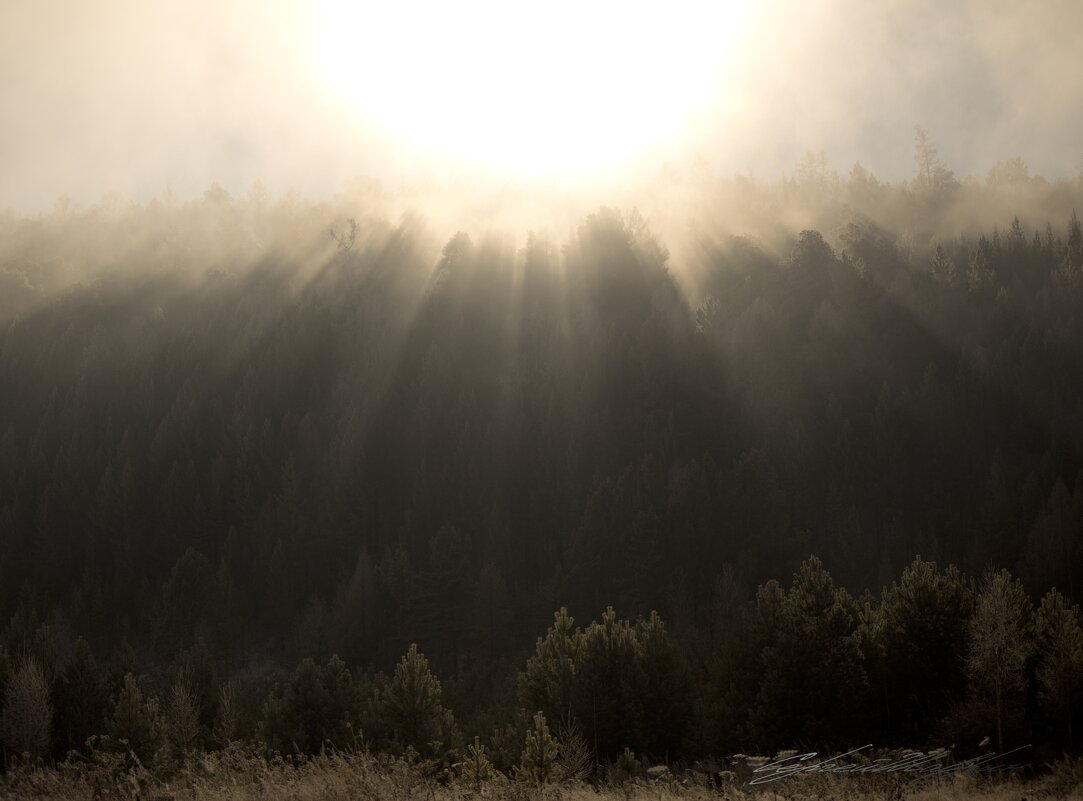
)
(232, 439)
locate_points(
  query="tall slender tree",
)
(1059, 640)
(1000, 645)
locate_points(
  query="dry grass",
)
(244, 774)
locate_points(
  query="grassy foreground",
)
(241, 773)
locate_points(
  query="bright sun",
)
(539, 88)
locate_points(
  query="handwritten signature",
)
(924, 764)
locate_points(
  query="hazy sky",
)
(136, 96)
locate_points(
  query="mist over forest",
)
(824, 432)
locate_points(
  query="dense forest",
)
(297, 472)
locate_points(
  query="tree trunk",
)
(1000, 720)
(1068, 709)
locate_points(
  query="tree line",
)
(938, 658)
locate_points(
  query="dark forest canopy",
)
(228, 436)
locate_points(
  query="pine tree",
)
(942, 267)
(627, 768)
(319, 704)
(549, 679)
(135, 720)
(27, 712)
(186, 599)
(609, 686)
(492, 610)
(1053, 553)
(924, 157)
(227, 719)
(443, 610)
(476, 766)
(924, 635)
(664, 696)
(538, 762)
(931, 174)
(980, 272)
(1059, 640)
(5, 674)
(574, 757)
(999, 645)
(412, 703)
(356, 608)
(182, 717)
(813, 679)
(80, 699)
(1017, 238)
(1074, 254)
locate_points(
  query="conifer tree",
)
(182, 717)
(411, 704)
(924, 638)
(665, 692)
(549, 679)
(931, 174)
(609, 686)
(574, 757)
(1059, 640)
(227, 719)
(980, 271)
(492, 610)
(27, 713)
(135, 720)
(942, 267)
(1074, 253)
(999, 645)
(476, 766)
(924, 157)
(813, 674)
(80, 699)
(5, 675)
(319, 704)
(627, 768)
(538, 762)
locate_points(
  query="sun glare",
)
(561, 87)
